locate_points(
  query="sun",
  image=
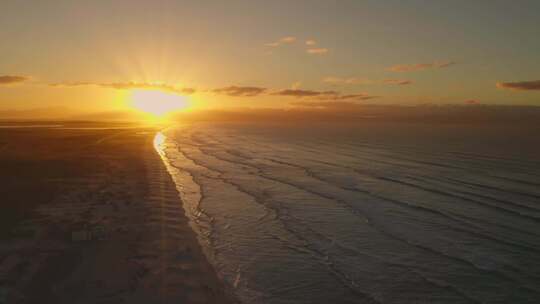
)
(157, 103)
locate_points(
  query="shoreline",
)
(176, 231)
(115, 232)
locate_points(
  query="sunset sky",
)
(95, 55)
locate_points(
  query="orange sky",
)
(91, 56)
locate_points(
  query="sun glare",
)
(158, 103)
(159, 141)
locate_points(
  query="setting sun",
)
(157, 103)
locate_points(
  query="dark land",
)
(90, 215)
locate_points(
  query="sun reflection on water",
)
(159, 143)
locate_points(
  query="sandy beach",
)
(94, 217)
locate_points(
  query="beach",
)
(91, 215)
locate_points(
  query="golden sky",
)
(96, 55)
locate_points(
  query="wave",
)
(294, 218)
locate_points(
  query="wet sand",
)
(92, 216)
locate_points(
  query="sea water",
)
(371, 213)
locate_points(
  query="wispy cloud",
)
(12, 79)
(344, 81)
(303, 93)
(296, 85)
(233, 90)
(135, 85)
(309, 43)
(364, 81)
(71, 84)
(323, 95)
(289, 39)
(520, 85)
(326, 105)
(420, 66)
(131, 86)
(397, 81)
(360, 96)
(281, 41)
(317, 51)
(240, 91)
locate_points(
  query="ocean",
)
(370, 213)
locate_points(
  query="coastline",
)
(187, 270)
(112, 227)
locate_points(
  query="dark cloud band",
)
(11, 79)
(234, 91)
(324, 95)
(304, 93)
(521, 85)
(240, 91)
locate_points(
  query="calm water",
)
(365, 214)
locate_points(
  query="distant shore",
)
(91, 215)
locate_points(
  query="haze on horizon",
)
(84, 57)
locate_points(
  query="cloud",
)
(361, 96)
(289, 39)
(304, 93)
(324, 95)
(364, 81)
(150, 86)
(71, 84)
(284, 40)
(349, 97)
(296, 85)
(420, 66)
(240, 91)
(293, 92)
(131, 86)
(342, 81)
(310, 43)
(520, 86)
(12, 79)
(397, 81)
(189, 91)
(235, 91)
(317, 51)
(338, 105)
